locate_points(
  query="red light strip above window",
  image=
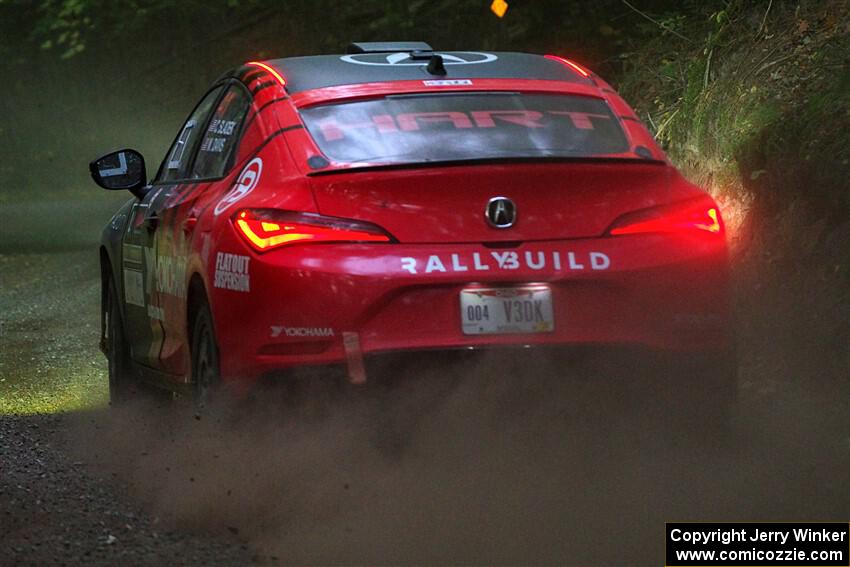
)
(265, 67)
(574, 66)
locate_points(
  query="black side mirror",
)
(121, 170)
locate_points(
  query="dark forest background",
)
(83, 76)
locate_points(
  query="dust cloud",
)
(495, 458)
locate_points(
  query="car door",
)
(179, 208)
(152, 263)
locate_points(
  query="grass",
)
(760, 91)
(49, 359)
(57, 390)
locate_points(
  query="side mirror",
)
(121, 170)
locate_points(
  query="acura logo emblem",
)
(500, 212)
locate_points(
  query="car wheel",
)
(121, 385)
(205, 367)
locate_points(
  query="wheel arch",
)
(106, 273)
(196, 297)
(198, 300)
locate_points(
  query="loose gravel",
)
(507, 469)
(53, 511)
(54, 508)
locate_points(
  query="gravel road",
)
(493, 468)
(54, 507)
(53, 511)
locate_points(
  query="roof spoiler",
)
(387, 47)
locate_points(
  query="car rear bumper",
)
(661, 292)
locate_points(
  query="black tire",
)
(206, 373)
(121, 384)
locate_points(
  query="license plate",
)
(506, 310)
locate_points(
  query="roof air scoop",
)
(436, 66)
(387, 47)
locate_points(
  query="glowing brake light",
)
(572, 65)
(270, 70)
(265, 229)
(700, 215)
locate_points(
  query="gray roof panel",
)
(319, 71)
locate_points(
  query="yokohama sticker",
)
(506, 261)
(248, 179)
(279, 331)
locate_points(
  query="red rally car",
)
(319, 210)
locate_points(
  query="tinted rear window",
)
(447, 127)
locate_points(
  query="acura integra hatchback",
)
(323, 210)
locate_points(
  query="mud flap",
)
(354, 358)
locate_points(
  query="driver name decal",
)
(506, 261)
(213, 143)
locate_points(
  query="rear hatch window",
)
(465, 126)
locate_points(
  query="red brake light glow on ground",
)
(574, 66)
(274, 73)
(699, 217)
(265, 230)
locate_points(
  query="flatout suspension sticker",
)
(248, 179)
(231, 272)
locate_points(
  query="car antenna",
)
(436, 66)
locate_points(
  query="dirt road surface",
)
(490, 460)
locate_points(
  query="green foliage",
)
(66, 26)
(63, 24)
(69, 26)
(719, 82)
(761, 85)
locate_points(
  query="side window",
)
(221, 137)
(176, 164)
(176, 157)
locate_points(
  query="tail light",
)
(695, 216)
(265, 229)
